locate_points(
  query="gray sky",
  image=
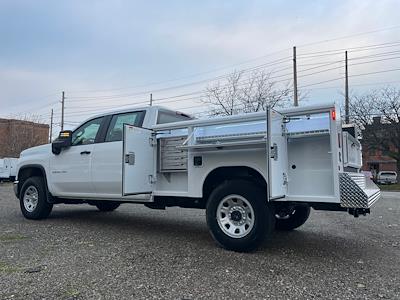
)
(107, 54)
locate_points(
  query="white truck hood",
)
(43, 149)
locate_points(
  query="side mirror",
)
(64, 140)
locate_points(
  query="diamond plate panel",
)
(351, 195)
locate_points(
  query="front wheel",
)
(33, 199)
(238, 215)
(289, 218)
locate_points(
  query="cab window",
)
(164, 117)
(114, 132)
(86, 134)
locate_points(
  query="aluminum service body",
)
(300, 152)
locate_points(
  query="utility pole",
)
(346, 90)
(151, 99)
(296, 101)
(62, 110)
(51, 126)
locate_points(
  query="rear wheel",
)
(238, 215)
(107, 205)
(33, 199)
(289, 218)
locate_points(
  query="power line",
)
(192, 98)
(270, 63)
(245, 80)
(253, 59)
(355, 85)
(112, 97)
(354, 75)
(185, 77)
(350, 36)
(202, 92)
(340, 51)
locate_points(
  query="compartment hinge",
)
(274, 151)
(152, 179)
(284, 130)
(153, 141)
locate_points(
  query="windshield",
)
(388, 174)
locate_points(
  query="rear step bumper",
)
(357, 191)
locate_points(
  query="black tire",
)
(263, 218)
(107, 205)
(42, 209)
(294, 219)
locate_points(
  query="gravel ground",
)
(136, 252)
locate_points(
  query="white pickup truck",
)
(252, 173)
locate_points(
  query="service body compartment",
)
(297, 151)
(351, 151)
(138, 176)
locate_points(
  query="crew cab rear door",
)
(138, 161)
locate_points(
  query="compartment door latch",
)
(130, 158)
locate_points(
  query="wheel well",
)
(27, 172)
(219, 175)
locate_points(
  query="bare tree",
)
(384, 106)
(223, 98)
(244, 94)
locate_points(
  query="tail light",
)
(333, 115)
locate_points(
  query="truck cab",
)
(91, 167)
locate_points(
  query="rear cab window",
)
(170, 117)
(115, 129)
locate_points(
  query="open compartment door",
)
(138, 161)
(277, 155)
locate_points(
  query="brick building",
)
(378, 161)
(18, 135)
(377, 143)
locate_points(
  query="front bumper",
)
(386, 181)
(16, 188)
(357, 191)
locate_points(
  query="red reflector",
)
(333, 113)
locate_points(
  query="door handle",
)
(85, 152)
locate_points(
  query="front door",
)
(139, 154)
(277, 143)
(70, 170)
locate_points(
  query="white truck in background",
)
(8, 168)
(252, 173)
(386, 177)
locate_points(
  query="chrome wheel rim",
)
(235, 216)
(30, 199)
